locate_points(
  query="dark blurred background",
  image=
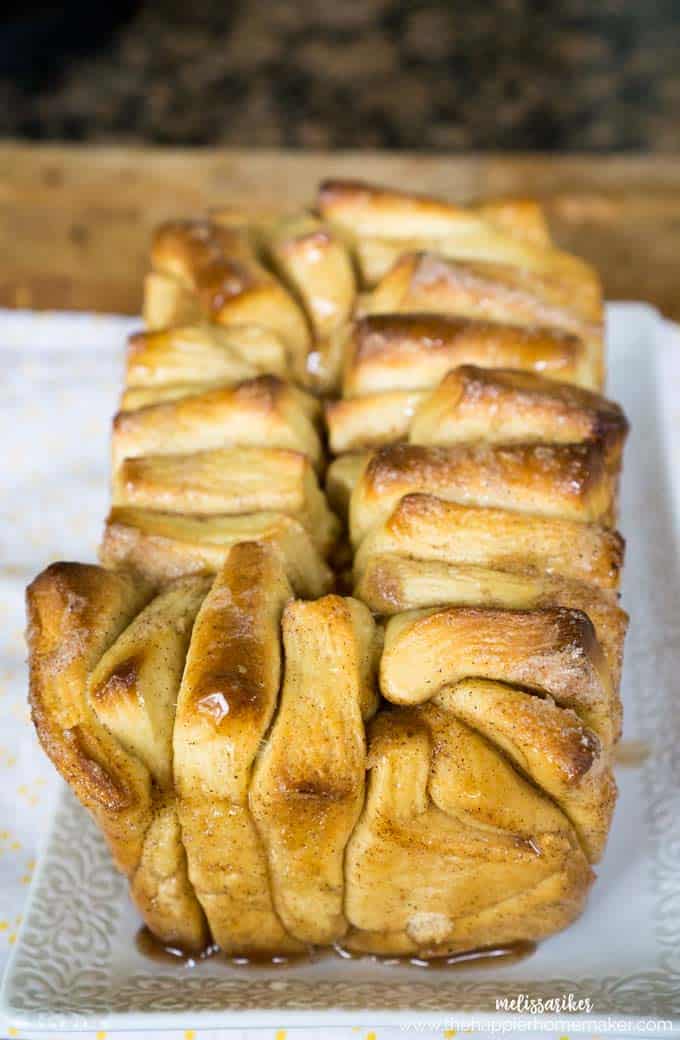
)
(571, 75)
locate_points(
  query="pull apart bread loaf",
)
(422, 767)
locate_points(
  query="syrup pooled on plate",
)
(509, 953)
(152, 948)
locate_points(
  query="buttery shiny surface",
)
(422, 770)
(569, 481)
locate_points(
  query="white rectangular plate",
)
(75, 965)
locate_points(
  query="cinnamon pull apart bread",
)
(348, 673)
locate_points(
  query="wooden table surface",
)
(75, 221)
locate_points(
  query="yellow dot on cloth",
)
(4, 925)
(370, 1036)
(449, 1034)
(281, 1034)
(101, 1035)
(189, 1034)
(12, 1031)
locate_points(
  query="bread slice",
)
(315, 263)
(371, 420)
(78, 627)
(414, 351)
(229, 481)
(391, 584)
(308, 785)
(502, 406)
(217, 270)
(430, 283)
(133, 688)
(261, 412)
(547, 743)
(384, 224)
(76, 611)
(135, 397)
(164, 546)
(226, 702)
(553, 651)
(203, 354)
(423, 527)
(432, 869)
(566, 481)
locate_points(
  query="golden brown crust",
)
(231, 678)
(164, 546)
(424, 527)
(426, 282)
(204, 256)
(226, 702)
(75, 612)
(517, 216)
(308, 786)
(569, 481)
(167, 303)
(317, 266)
(229, 482)
(385, 223)
(226, 766)
(501, 405)
(133, 688)
(553, 651)
(136, 397)
(547, 743)
(523, 878)
(472, 403)
(203, 354)
(219, 266)
(261, 412)
(372, 209)
(415, 351)
(390, 584)
(524, 218)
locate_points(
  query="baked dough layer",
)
(568, 481)
(425, 766)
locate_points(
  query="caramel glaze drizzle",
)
(153, 949)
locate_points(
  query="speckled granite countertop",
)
(515, 74)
